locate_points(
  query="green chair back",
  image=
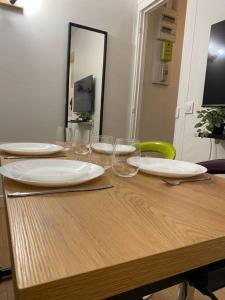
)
(167, 150)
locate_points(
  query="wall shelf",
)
(81, 122)
(213, 136)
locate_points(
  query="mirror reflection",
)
(85, 77)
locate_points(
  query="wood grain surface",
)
(93, 245)
(6, 288)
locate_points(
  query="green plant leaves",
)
(198, 125)
(209, 118)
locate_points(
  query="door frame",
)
(144, 7)
(185, 73)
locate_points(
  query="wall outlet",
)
(189, 107)
(161, 73)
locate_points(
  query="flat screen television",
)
(84, 95)
(214, 90)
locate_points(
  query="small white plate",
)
(51, 172)
(104, 148)
(108, 148)
(167, 167)
(125, 149)
(30, 148)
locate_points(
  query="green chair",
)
(167, 150)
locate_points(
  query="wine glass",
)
(64, 137)
(101, 150)
(126, 157)
(81, 140)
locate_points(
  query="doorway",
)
(154, 110)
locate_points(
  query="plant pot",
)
(218, 130)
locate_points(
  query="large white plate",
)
(106, 148)
(30, 148)
(167, 167)
(51, 172)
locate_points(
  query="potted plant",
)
(211, 121)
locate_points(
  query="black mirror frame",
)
(103, 70)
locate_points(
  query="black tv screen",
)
(214, 90)
(84, 95)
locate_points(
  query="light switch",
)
(189, 107)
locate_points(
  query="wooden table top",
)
(93, 245)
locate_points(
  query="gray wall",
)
(33, 49)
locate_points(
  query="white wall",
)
(201, 14)
(33, 51)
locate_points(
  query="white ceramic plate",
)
(108, 148)
(30, 148)
(167, 167)
(104, 148)
(51, 172)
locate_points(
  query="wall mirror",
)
(86, 63)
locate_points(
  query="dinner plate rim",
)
(101, 150)
(57, 148)
(202, 169)
(104, 151)
(65, 183)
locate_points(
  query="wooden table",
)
(93, 245)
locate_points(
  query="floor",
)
(6, 288)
